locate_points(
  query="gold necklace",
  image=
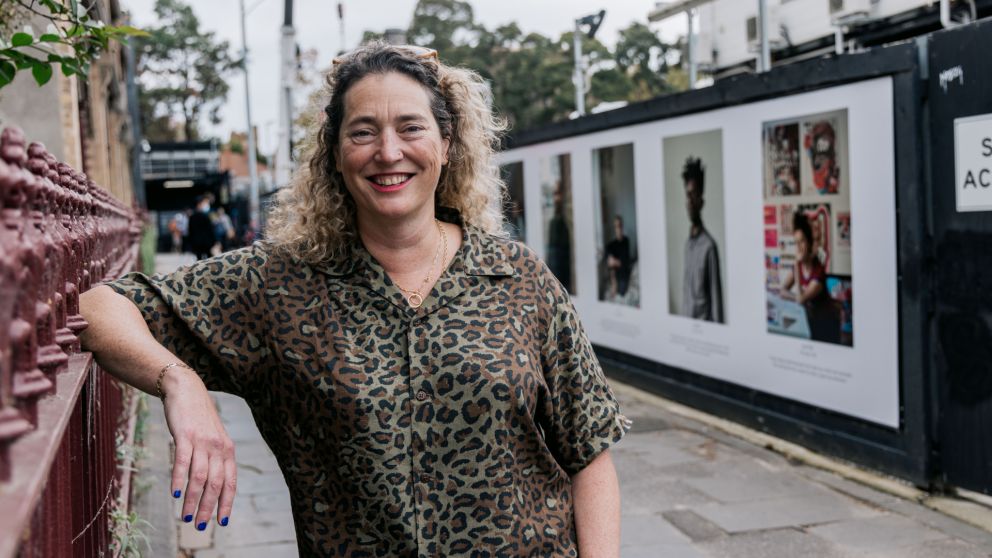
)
(414, 296)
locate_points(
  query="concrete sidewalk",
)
(688, 489)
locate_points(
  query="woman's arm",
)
(812, 290)
(596, 493)
(122, 344)
(786, 289)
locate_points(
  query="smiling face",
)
(390, 150)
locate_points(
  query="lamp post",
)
(593, 21)
(252, 156)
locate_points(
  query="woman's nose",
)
(390, 148)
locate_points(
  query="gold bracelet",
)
(161, 376)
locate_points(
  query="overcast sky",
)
(317, 27)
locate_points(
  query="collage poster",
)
(807, 228)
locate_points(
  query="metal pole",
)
(692, 50)
(765, 63)
(344, 44)
(252, 157)
(580, 78)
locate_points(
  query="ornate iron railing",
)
(60, 475)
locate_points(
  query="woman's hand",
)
(204, 466)
(204, 461)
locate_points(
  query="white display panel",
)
(861, 380)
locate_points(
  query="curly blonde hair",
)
(314, 218)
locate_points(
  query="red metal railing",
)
(59, 414)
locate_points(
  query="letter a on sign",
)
(973, 163)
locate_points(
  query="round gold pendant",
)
(415, 300)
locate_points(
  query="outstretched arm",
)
(596, 493)
(123, 345)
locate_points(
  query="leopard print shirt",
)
(448, 430)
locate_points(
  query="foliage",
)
(128, 534)
(182, 74)
(71, 40)
(530, 74)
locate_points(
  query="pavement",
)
(689, 489)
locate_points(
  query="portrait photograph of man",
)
(694, 210)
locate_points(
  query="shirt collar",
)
(484, 254)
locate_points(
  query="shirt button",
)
(422, 395)
(426, 479)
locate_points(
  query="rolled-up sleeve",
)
(209, 315)
(585, 417)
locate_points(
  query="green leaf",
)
(21, 39)
(69, 67)
(42, 72)
(53, 6)
(7, 72)
(49, 38)
(132, 31)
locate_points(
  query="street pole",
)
(692, 50)
(252, 157)
(766, 57)
(580, 76)
(344, 47)
(287, 76)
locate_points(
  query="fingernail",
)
(223, 522)
(201, 526)
(177, 493)
(188, 518)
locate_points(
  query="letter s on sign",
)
(987, 147)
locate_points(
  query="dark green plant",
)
(72, 39)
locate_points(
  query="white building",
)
(728, 36)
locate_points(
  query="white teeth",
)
(391, 180)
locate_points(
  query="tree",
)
(437, 23)
(531, 75)
(642, 56)
(72, 39)
(182, 74)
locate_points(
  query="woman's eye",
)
(413, 129)
(361, 135)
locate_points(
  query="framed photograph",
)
(694, 216)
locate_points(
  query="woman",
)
(424, 383)
(823, 318)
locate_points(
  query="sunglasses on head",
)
(418, 52)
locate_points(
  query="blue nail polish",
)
(202, 526)
(188, 518)
(223, 522)
(177, 493)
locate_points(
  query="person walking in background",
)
(223, 229)
(178, 228)
(201, 230)
(702, 292)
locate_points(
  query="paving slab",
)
(875, 534)
(945, 548)
(284, 550)
(779, 543)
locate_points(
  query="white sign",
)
(973, 162)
